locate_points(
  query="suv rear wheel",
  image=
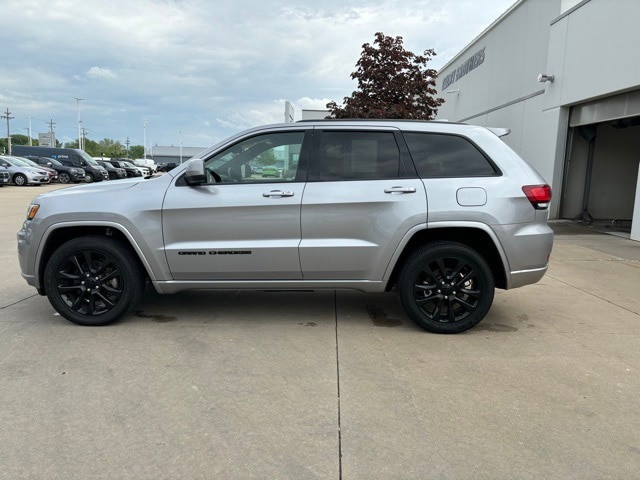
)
(93, 280)
(446, 287)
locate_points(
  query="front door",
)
(244, 224)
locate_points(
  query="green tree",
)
(16, 139)
(136, 151)
(392, 83)
(267, 158)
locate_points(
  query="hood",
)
(92, 188)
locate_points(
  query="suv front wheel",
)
(446, 287)
(93, 280)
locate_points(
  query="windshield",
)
(87, 158)
(17, 162)
(127, 164)
(54, 162)
(31, 163)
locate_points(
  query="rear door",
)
(362, 197)
(241, 225)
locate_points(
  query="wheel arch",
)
(61, 233)
(19, 174)
(475, 235)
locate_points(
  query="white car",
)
(146, 162)
(144, 171)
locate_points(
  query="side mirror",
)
(195, 175)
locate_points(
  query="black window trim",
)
(496, 169)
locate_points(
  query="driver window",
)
(264, 158)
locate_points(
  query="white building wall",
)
(593, 52)
(588, 45)
(504, 91)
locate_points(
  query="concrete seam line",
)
(335, 313)
(18, 301)
(593, 295)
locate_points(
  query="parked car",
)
(270, 171)
(115, 173)
(145, 171)
(65, 174)
(5, 177)
(132, 170)
(167, 167)
(53, 175)
(145, 162)
(22, 173)
(351, 212)
(71, 157)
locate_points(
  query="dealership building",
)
(564, 76)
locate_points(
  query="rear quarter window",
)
(440, 156)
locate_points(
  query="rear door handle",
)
(400, 190)
(278, 193)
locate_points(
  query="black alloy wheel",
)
(93, 280)
(446, 287)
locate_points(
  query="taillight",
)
(538, 195)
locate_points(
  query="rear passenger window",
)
(358, 156)
(438, 155)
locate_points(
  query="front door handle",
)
(278, 193)
(400, 190)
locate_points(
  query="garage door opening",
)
(601, 171)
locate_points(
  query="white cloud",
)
(99, 72)
(201, 67)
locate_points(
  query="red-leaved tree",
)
(392, 83)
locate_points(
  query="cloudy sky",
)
(200, 70)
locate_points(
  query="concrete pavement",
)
(328, 384)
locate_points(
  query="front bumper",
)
(38, 179)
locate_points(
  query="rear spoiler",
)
(501, 132)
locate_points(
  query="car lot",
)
(327, 384)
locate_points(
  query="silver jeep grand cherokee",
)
(443, 212)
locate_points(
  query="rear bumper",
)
(526, 277)
(528, 248)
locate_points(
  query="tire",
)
(88, 178)
(20, 180)
(64, 177)
(446, 287)
(94, 280)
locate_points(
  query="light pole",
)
(79, 124)
(144, 135)
(30, 141)
(180, 147)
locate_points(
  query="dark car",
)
(130, 169)
(71, 157)
(166, 167)
(65, 174)
(114, 172)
